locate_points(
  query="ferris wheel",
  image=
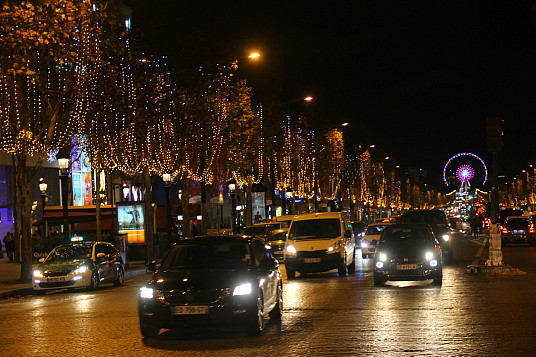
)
(465, 167)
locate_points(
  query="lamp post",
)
(63, 164)
(43, 188)
(232, 193)
(167, 186)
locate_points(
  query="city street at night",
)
(471, 314)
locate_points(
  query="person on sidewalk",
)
(9, 243)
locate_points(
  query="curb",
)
(493, 270)
(29, 291)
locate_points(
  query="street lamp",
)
(232, 193)
(63, 163)
(167, 186)
(43, 188)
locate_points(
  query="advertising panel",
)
(258, 206)
(131, 221)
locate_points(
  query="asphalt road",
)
(325, 315)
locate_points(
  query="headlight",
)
(334, 248)
(146, 293)
(446, 237)
(383, 257)
(429, 255)
(379, 265)
(80, 270)
(364, 244)
(433, 263)
(38, 274)
(243, 289)
(291, 249)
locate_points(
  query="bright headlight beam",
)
(429, 255)
(291, 249)
(242, 289)
(446, 237)
(146, 293)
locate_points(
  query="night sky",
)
(416, 78)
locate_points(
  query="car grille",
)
(56, 273)
(187, 297)
(312, 254)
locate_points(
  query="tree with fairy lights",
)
(49, 50)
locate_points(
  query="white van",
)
(319, 242)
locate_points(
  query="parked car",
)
(212, 281)
(359, 228)
(518, 229)
(319, 242)
(371, 238)
(276, 241)
(79, 265)
(408, 252)
(437, 220)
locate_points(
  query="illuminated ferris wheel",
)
(465, 167)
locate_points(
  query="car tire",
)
(379, 280)
(277, 311)
(351, 267)
(343, 269)
(291, 274)
(438, 280)
(149, 330)
(94, 282)
(256, 323)
(120, 277)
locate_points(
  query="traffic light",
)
(494, 134)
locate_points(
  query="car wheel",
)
(343, 270)
(94, 283)
(149, 330)
(438, 280)
(291, 274)
(277, 311)
(256, 323)
(379, 280)
(120, 277)
(351, 267)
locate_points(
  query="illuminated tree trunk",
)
(149, 216)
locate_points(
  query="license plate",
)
(55, 279)
(406, 266)
(312, 260)
(518, 231)
(189, 310)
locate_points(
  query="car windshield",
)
(406, 234)
(517, 222)
(315, 229)
(70, 252)
(375, 230)
(219, 255)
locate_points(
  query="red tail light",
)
(531, 228)
(504, 230)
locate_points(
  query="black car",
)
(212, 281)
(408, 252)
(518, 230)
(276, 240)
(437, 220)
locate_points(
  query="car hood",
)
(201, 279)
(63, 265)
(410, 250)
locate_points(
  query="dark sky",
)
(416, 78)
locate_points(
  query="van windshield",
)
(315, 229)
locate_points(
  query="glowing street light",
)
(254, 55)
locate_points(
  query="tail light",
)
(531, 228)
(504, 230)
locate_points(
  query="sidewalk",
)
(10, 274)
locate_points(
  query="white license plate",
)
(312, 260)
(56, 279)
(406, 266)
(189, 310)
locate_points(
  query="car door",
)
(114, 261)
(101, 262)
(268, 271)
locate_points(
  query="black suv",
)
(437, 220)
